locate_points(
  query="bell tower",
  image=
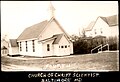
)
(51, 11)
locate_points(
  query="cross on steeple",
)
(51, 11)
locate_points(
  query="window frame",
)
(20, 46)
(68, 45)
(65, 46)
(101, 30)
(26, 46)
(48, 47)
(95, 31)
(62, 46)
(33, 45)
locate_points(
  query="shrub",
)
(80, 46)
(83, 45)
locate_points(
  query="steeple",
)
(51, 11)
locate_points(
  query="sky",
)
(72, 15)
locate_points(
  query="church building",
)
(46, 38)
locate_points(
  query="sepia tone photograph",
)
(59, 36)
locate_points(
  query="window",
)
(101, 30)
(95, 31)
(2, 51)
(65, 46)
(68, 45)
(48, 47)
(33, 45)
(26, 46)
(6, 51)
(62, 46)
(20, 47)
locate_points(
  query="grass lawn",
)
(99, 61)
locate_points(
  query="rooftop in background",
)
(110, 20)
(13, 42)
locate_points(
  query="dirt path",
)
(99, 62)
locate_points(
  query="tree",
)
(82, 32)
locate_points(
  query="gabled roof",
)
(13, 42)
(90, 26)
(110, 20)
(35, 30)
(3, 47)
(56, 38)
(47, 39)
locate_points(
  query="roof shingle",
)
(33, 31)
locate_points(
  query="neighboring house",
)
(4, 47)
(9, 47)
(4, 51)
(46, 38)
(103, 26)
